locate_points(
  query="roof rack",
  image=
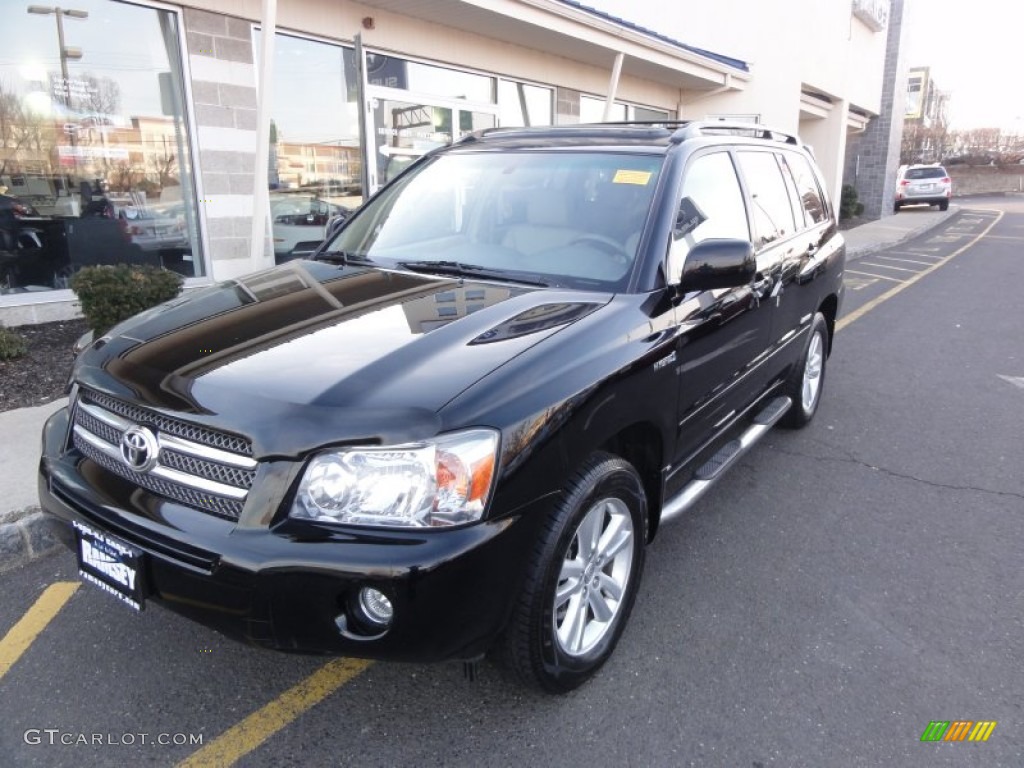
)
(681, 130)
(697, 128)
(575, 129)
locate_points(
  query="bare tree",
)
(20, 130)
(164, 164)
(102, 97)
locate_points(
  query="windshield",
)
(561, 218)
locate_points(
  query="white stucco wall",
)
(790, 45)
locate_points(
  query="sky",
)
(975, 49)
(976, 53)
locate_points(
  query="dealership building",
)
(217, 137)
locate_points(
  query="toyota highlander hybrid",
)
(455, 428)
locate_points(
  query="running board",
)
(715, 467)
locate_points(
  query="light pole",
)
(65, 52)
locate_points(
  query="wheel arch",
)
(640, 444)
(829, 307)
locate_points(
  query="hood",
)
(281, 355)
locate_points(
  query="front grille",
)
(206, 469)
(170, 426)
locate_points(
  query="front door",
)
(722, 334)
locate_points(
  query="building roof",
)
(720, 58)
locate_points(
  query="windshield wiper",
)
(443, 267)
(343, 257)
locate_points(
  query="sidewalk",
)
(24, 535)
(892, 230)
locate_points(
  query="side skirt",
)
(727, 455)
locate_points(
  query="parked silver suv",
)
(923, 184)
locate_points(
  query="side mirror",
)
(719, 263)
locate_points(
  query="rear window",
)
(925, 173)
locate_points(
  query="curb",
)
(27, 538)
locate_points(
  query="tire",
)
(896, 208)
(569, 584)
(944, 205)
(807, 380)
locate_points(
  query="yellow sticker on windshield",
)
(632, 177)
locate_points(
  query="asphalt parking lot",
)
(848, 585)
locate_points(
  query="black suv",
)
(455, 429)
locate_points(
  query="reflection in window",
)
(95, 165)
(712, 189)
(315, 160)
(772, 212)
(807, 188)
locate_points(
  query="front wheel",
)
(582, 579)
(808, 377)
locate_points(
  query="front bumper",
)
(285, 585)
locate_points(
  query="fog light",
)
(375, 607)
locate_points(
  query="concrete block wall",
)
(872, 158)
(220, 55)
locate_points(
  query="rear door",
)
(816, 241)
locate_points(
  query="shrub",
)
(11, 344)
(110, 294)
(848, 203)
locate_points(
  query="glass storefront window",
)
(95, 161)
(315, 158)
(428, 79)
(644, 114)
(592, 111)
(520, 104)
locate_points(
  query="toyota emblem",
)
(139, 448)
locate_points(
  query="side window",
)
(711, 207)
(807, 188)
(772, 211)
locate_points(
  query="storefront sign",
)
(67, 154)
(874, 13)
(72, 88)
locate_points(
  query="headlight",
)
(443, 481)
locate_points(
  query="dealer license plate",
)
(111, 564)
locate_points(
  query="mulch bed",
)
(40, 375)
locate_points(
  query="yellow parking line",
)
(861, 311)
(21, 635)
(243, 738)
